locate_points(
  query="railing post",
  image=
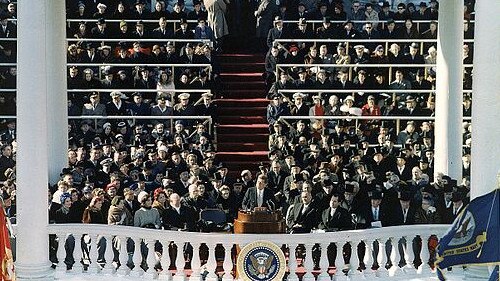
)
(368, 258)
(110, 267)
(228, 262)
(395, 257)
(308, 262)
(123, 269)
(339, 262)
(137, 271)
(93, 254)
(354, 260)
(195, 262)
(409, 268)
(381, 261)
(179, 263)
(292, 263)
(165, 274)
(61, 253)
(424, 267)
(150, 259)
(324, 263)
(211, 265)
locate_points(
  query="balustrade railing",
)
(175, 255)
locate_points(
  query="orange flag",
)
(6, 259)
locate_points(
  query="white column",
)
(486, 100)
(57, 97)
(449, 90)
(32, 156)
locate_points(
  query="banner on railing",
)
(473, 236)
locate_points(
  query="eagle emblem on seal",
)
(262, 266)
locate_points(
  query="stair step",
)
(241, 58)
(242, 120)
(251, 157)
(243, 129)
(241, 77)
(242, 111)
(228, 137)
(238, 166)
(244, 67)
(241, 146)
(249, 102)
(250, 85)
(244, 93)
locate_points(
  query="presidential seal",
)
(464, 229)
(261, 260)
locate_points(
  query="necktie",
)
(375, 214)
(259, 199)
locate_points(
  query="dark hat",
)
(385, 4)
(63, 197)
(405, 196)
(139, 2)
(377, 150)
(349, 187)
(457, 196)
(301, 70)
(101, 21)
(148, 165)
(322, 4)
(423, 160)
(217, 176)
(428, 189)
(298, 177)
(447, 188)
(137, 94)
(422, 4)
(401, 154)
(377, 195)
(390, 21)
(301, 4)
(402, 5)
(347, 22)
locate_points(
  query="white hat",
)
(359, 47)
(101, 5)
(349, 97)
(184, 96)
(141, 196)
(298, 95)
(244, 172)
(207, 95)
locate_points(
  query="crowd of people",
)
(324, 175)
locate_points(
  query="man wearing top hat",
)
(413, 57)
(100, 31)
(402, 170)
(140, 11)
(303, 81)
(326, 30)
(138, 107)
(349, 31)
(183, 32)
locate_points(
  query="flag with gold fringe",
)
(473, 238)
(6, 258)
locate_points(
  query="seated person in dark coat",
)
(302, 217)
(335, 218)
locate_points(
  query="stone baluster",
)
(195, 263)
(368, 258)
(382, 258)
(123, 256)
(165, 274)
(292, 263)
(61, 252)
(228, 262)
(78, 254)
(354, 260)
(110, 267)
(179, 263)
(324, 263)
(308, 263)
(409, 255)
(137, 271)
(395, 257)
(211, 265)
(93, 254)
(424, 268)
(150, 259)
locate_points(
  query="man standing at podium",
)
(258, 196)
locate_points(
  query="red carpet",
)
(243, 131)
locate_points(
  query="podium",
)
(259, 221)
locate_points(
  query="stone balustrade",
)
(382, 253)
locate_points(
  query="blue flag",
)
(474, 237)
